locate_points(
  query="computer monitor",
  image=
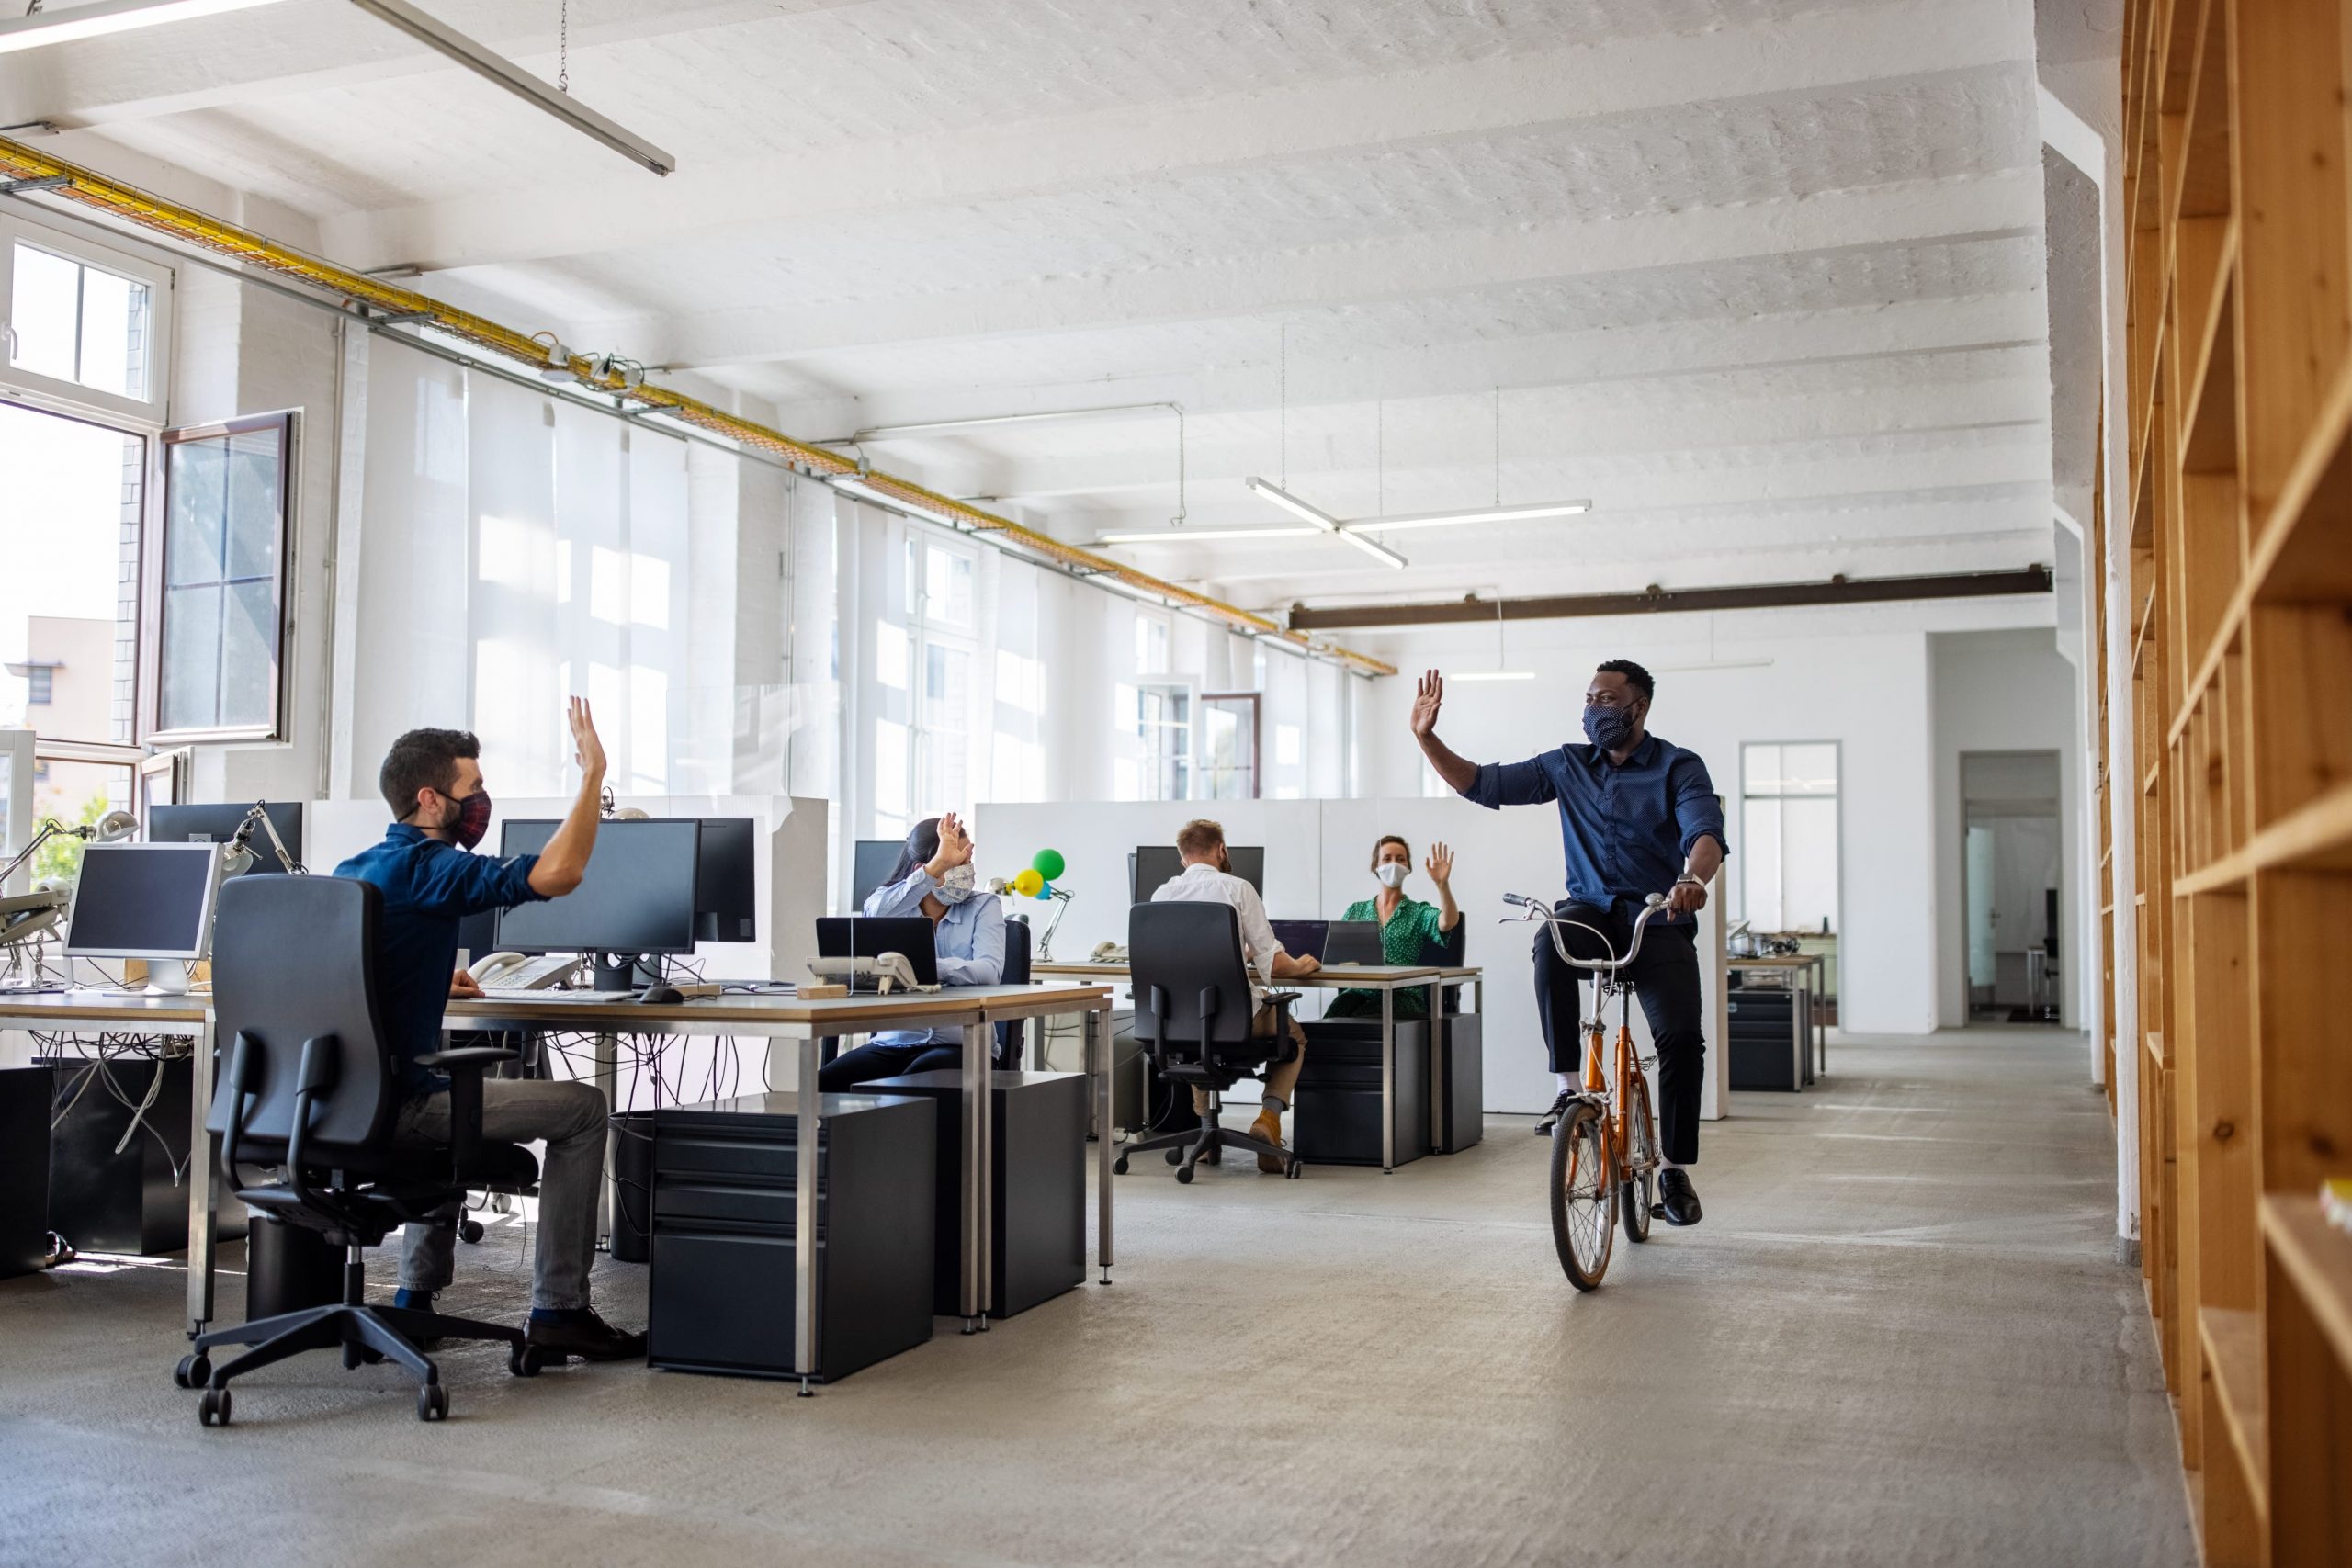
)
(219, 824)
(727, 890)
(1152, 864)
(637, 896)
(870, 867)
(149, 901)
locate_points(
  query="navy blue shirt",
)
(428, 887)
(1626, 828)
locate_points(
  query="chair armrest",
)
(1280, 1002)
(466, 1067)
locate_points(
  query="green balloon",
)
(1049, 864)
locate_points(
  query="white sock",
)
(1567, 1082)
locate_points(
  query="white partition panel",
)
(1318, 855)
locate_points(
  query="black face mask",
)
(472, 819)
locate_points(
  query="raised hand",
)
(1428, 698)
(955, 842)
(1440, 864)
(587, 748)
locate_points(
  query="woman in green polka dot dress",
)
(1406, 924)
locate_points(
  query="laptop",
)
(1301, 939)
(1352, 941)
(858, 936)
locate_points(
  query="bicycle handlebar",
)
(1538, 910)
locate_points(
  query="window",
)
(82, 326)
(219, 570)
(1229, 745)
(1163, 726)
(924, 766)
(1789, 836)
(70, 506)
(40, 686)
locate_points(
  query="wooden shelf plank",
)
(2209, 441)
(2155, 1045)
(2315, 836)
(2233, 1358)
(2317, 1258)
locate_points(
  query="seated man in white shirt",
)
(1207, 877)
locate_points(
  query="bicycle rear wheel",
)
(1583, 1187)
(1637, 1194)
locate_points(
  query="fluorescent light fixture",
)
(437, 35)
(1291, 504)
(1484, 514)
(108, 17)
(1493, 675)
(1373, 549)
(1185, 535)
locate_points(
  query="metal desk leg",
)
(1437, 1065)
(1098, 1049)
(607, 1085)
(977, 1170)
(804, 1218)
(203, 1199)
(1388, 1079)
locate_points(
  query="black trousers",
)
(870, 1061)
(1666, 979)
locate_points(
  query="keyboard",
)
(524, 994)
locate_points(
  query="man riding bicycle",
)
(1637, 814)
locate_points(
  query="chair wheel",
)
(194, 1372)
(525, 1360)
(1184, 1174)
(432, 1403)
(213, 1409)
(1175, 1157)
(1119, 1165)
(469, 1231)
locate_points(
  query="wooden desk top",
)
(1777, 961)
(98, 1006)
(1338, 977)
(951, 1007)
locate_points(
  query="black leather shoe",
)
(1551, 1119)
(1678, 1200)
(590, 1337)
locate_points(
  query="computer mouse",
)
(661, 996)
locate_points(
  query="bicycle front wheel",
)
(1637, 1193)
(1583, 1189)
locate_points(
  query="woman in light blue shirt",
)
(933, 878)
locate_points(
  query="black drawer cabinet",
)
(1461, 1068)
(24, 1168)
(1768, 1039)
(1037, 1222)
(1337, 1119)
(725, 1215)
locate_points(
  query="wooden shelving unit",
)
(2238, 187)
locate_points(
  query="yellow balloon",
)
(1028, 883)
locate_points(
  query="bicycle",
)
(1604, 1147)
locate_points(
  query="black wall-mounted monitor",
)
(639, 895)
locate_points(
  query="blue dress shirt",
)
(970, 944)
(428, 887)
(1626, 828)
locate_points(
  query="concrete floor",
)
(1900, 1337)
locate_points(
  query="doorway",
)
(2013, 866)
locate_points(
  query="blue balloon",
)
(1047, 891)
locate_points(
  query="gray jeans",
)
(570, 1117)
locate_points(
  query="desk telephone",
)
(518, 972)
(881, 973)
(1108, 953)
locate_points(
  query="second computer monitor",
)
(870, 868)
(143, 901)
(219, 824)
(638, 895)
(727, 897)
(1152, 864)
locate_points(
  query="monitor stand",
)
(626, 971)
(165, 977)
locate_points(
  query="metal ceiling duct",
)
(93, 190)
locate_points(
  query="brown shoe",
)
(1269, 1126)
(590, 1337)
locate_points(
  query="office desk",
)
(1791, 965)
(176, 1017)
(974, 1009)
(1388, 980)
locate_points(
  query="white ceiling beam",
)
(1886, 217)
(1299, 119)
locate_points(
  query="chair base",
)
(1196, 1143)
(363, 1333)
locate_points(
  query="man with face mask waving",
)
(432, 779)
(933, 878)
(1637, 815)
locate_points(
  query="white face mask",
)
(1391, 875)
(959, 885)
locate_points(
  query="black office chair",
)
(1010, 1037)
(309, 1090)
(1192, 1016)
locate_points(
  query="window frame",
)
(1202, 769)
(148, 725)
(53, 395)
(1835, 796)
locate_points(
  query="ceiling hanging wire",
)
(1499, 444)
(563, 46)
